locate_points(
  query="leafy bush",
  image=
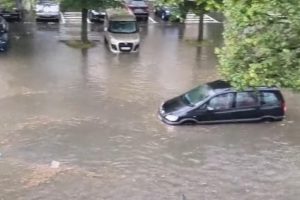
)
(262, 43)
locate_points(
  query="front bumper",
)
(163, 119)
(47, 17)
(123, 47)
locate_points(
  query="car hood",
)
(132, 37)
(175, 105)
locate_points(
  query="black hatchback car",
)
(218, 102)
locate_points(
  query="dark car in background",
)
(96, 15)
(139, 8)
(3, 41)
(11, 14)
(167, 12)
(218, 102)
(3, 25)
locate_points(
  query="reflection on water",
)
(95, 113)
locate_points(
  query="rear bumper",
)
(11, 16)
(141, 15)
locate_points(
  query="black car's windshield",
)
(122, 27)
(197, 94)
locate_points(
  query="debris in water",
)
(55, 164)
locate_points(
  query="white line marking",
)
(152, 20)
(212, 19)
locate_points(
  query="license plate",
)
(6, 15)
(138, 10)
(125, 48)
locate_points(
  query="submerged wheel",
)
(188, 122)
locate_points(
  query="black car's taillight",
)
(284, 108)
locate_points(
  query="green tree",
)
(8, 3)
(84, 5)
(262, 43)
(199, 7)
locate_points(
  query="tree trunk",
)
(200, 26)
(84, 25)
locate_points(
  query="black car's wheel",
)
(272, 119)
(188, 122)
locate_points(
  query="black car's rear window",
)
(269, 99)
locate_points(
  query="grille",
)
(125, 47)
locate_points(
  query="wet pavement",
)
(96, 114)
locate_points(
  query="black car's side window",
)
(246, 100)
(269, 99)
(222, 102)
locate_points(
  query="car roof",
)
(220, 86)
(120, 14)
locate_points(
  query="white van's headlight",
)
(172, 118)
(113, 41)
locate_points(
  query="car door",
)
(246, 106)
(219, 108)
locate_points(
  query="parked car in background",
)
(3, 41)
(11, 13)
(139, 8)
(97, 15)
(3, 25)
(167, 13)
(218, 102)
(121, 31)
(48, 11)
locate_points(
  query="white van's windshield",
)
(122, 27)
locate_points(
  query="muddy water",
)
(95, 113)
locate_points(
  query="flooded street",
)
(96, 114)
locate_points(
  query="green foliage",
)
(262, 43)
(8, 4)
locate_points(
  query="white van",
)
(121, 31)
(47, 10)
